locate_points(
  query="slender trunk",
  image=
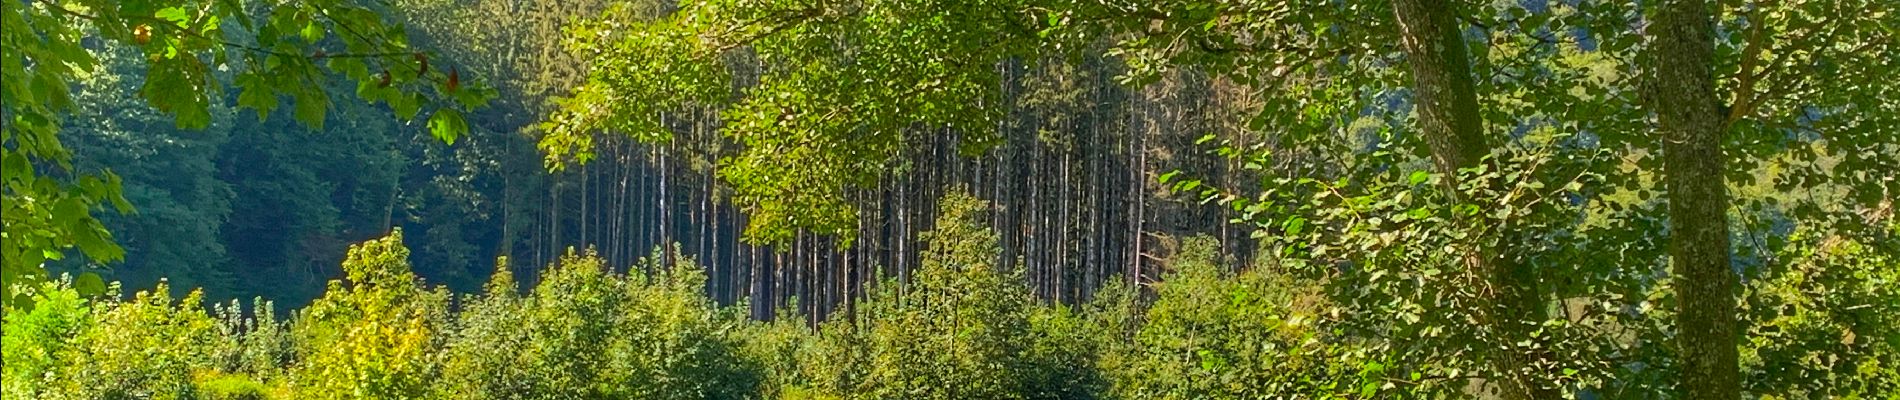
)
(1683, 52)
(580, 215)
(1448, 119)
(666, 207)
(1140, 184)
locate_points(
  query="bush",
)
(587, 332)
(145, 348)
(783, 350)
(220, 386)
(1209, 335)
(674, 342)
(33, 344)
(1822, 320)
(375, 335)
(1062, 356)
(489, 355)
(263, 345)
(962, 329)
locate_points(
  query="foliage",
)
(272, 51)
(34, 343)
(1212, 335)
(961, 329)
(588, 332)
(841, 86)
(169, 176)
(219, 386)
(1820, 325)
(678, 344)
(1062, 356)
(308, 193)
(487, 356)
(260, 344)
(373, 335)
(783, 349)
(1827, 324)
(144, 348)
(954, 332)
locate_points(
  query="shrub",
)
(375, 335)
(674, 342)
(262, 342)
(962, 329)
(1827, 325)
(1210, 335)
(781, 349)
(145, 348)
(489, 355)
(221, 386)
(1062, 356)
(33, 343)
(588, 332)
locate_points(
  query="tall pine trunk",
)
(1449, 121)
(1682, 53)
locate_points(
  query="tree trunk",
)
(1682, 55)
(1449, 121)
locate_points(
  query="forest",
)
(949, 199)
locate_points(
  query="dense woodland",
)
(988, 199)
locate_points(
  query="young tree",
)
(375, 334)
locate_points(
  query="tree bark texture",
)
(1683, 88)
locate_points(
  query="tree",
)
(1449, 121)
(169, 176)
(276, 52)
(373, 335)
(1682, 51)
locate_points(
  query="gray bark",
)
(1692, 124)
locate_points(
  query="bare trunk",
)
(1683, 50)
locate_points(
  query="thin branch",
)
(366, 39)
(1743, 98)
(168, 25)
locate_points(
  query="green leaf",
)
(1420, 177)
(89, 284)
(14, 167)
(447, 125)
(177, 15)
(405, 105)
(22, 302)
(311, 107)
(254, 92)
(70, 210)
(96, 245)
(311, 32)
(1294, 226)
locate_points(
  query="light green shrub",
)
(221, 386)
(375, 335)
(146, 348)
(34, 343)
(1210, 334)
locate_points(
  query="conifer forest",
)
(949, 199)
